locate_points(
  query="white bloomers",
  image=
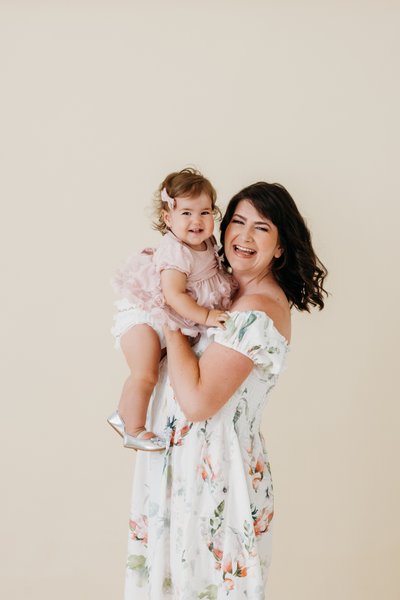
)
(129, 315)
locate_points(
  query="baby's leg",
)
(141, 347)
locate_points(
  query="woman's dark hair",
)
(298, 270)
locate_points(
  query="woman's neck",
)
(253, 283)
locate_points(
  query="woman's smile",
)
(243, 250)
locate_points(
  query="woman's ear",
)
(278, 252)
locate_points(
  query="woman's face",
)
(251, 241)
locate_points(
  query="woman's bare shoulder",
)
(277, 309)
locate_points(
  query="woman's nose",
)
(247, 237)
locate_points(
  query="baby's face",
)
(191, 220)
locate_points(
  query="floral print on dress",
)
(138, 529)
(138, 567)
(175, 436)
(202, 511)
(256, 470)
(234, 565)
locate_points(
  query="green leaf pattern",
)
(210, 593)
(138, 565)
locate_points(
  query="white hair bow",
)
(165, 197)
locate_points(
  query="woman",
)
(201, 519)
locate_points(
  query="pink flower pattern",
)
(139, 529)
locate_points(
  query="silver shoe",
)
(135, 442)
(117, 423)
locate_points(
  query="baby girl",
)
(180, 284)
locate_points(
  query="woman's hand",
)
(216, 318)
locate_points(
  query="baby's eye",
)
(185, 212)
(205, 212)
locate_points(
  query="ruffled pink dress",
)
(138, 282)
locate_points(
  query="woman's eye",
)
(262, 228)
(237, 221)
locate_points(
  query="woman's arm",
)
(173, 284)
(203, 386)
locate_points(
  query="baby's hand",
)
(216, 318)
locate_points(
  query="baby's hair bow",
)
(165, 197)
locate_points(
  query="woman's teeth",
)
(243, 249)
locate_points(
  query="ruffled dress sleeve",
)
(172, 254)
(254, 334)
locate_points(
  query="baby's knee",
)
(148, 378)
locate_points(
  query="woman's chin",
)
(239, 263)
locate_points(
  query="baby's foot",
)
(146, 435)
(144, 440)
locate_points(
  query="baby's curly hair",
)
(188, 182)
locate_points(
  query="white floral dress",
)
(201, 514)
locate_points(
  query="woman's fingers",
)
(221, 320)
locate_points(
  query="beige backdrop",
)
(99, 101)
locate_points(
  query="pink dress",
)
(139, 282)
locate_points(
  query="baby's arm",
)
(173, 284)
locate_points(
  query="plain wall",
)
(99, 101)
